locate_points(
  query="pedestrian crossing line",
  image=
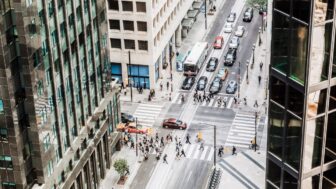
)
(236, 130)
(245, 128)
(232, 137)
(204, 103)
(243, 125)
(211, 154)
(175, 98)
(236, 145)
(204, 153)
(196, 154)
(230, 102)
(212, 101)
(244, 121)
(242, 134)
(232, 140)
(245, 116)
(190, 150)
(150, 105)
(144, 115)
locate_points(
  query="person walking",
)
(261, 65)
(132, 144)
(234, 150)
(167, 85)
(220, 151)
(188, 139)
(235, 100)
(165, 159)
(180, 142)
(245, 101)
(161, 86)
(182, 152)
(177, 148)
(256, 104)
(202, 146)
(259, 79)
(178, 155)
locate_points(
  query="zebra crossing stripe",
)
(204, 103)
(242, 134)
(240, 131)
(211, 154)
(204, 152)
(244, 116)
(230, 103)
(239, 138)
(196, 154)
(237, 145)
(250, 122)
(245, 128)
(175, 98)
(212, 101)
(190, 150)
(244, 125)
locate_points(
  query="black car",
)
(212, 64)
(216, 85)
(232, 87)
(126, 118)
(231, 17)
(188, 83)
(248, 15)
(230, 57)
(201, 84)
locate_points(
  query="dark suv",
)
(230, 57)
(248, 15)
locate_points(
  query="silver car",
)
(240, 31)
(228, 27)
(234, 42)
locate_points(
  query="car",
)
(131, 128)
(223, 73)
(240, 31)
(201, 84)
(174, 124)
(230, 57)
(231, 17)
(228, 27)
(188, 83)
(218, 43)
(234, 42)
(248, 14)
(212, 64)
(126, 118)
(231, 87)
(216, 85)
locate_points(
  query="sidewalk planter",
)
(121, 166)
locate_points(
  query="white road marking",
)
(204, 153)
(211, 154)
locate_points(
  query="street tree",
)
(121, 167)
(257, 3)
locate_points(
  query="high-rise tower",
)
(58, 105)
(302, 108)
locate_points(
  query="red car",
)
(174, 124)
(219, 41)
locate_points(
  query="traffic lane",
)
(143, 174)
(192, 174)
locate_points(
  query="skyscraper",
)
(58, 105)
(302, 109)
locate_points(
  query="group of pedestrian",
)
(201, 98)
(140, 89)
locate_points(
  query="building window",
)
(3, 134)
(143, 45)
(141, 6)
(129, 44)
(127, 6)
(8, 185)
(116, 71)
(46, 142)
(128, 25)
(1, 107)
(113, 5)
(115, 43)
(50, 168)
(114, 24)
(276, 129)
(139, 76)
(6, 162)
(273, 173)
(142, 26)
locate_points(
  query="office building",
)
(58, 105)
(302, 108)
(150, 31)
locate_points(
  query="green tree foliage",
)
(121, 166)
(257, 3)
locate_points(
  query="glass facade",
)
(139, 76)
(302, 118)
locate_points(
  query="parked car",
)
(231, 87)
(131, 128)
(228, 27)
(188, 83)
(230, 57)
(216, 85)
(223, 73)
(212, 64)
(234, 42)
(248, 14)
(174, 124)
(219, 41)
(126, 118)
(231, 17)
(201, 84)
(240, 31)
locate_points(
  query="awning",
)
(197, 4)
(187, 22)
(192, 13)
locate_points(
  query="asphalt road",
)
(192, 173)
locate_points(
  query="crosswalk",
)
(147, 114)
(242, 131)
(213, 101)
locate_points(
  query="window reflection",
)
(316, 103)
(329, 178)
(295, 101)
(273, 173)
(289, 181)
(293, 141)
(276, 124)
(311, 182)
(319, 64)
(313, 143)
(282, 5)
(332, 99)
(299, 50)
(301, 10)
(280, 42)
(278, 90)
(330, 148)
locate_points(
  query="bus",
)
(195, 59)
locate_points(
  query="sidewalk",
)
(197, 33)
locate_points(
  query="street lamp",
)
(253, 48)
(238, 79)
(130, 72)
(247, 65)
(215, 150)
(260, 42)
(136, 137)
(255, 134)
(205, 15)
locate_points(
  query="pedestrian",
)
(256, 104)
(188, 139)
(202, 146)
(208, 98)
(147, 148)
(176, 140)
(220, 151)
(180, 142)
(199, 97)
(167, 138)
(224, 104)
(235, 100)
(245, 101)
(177, 148)
(204, 92)
(234, 150)
(178, 155)
(165, 159)
(204, 97)
(259, 79)
(127, 171)
(161, 86)
(261, 65)
(132, 144)
(171, 137)
(167, 85)
(182, 152)
(162, 140)
(157, 137)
